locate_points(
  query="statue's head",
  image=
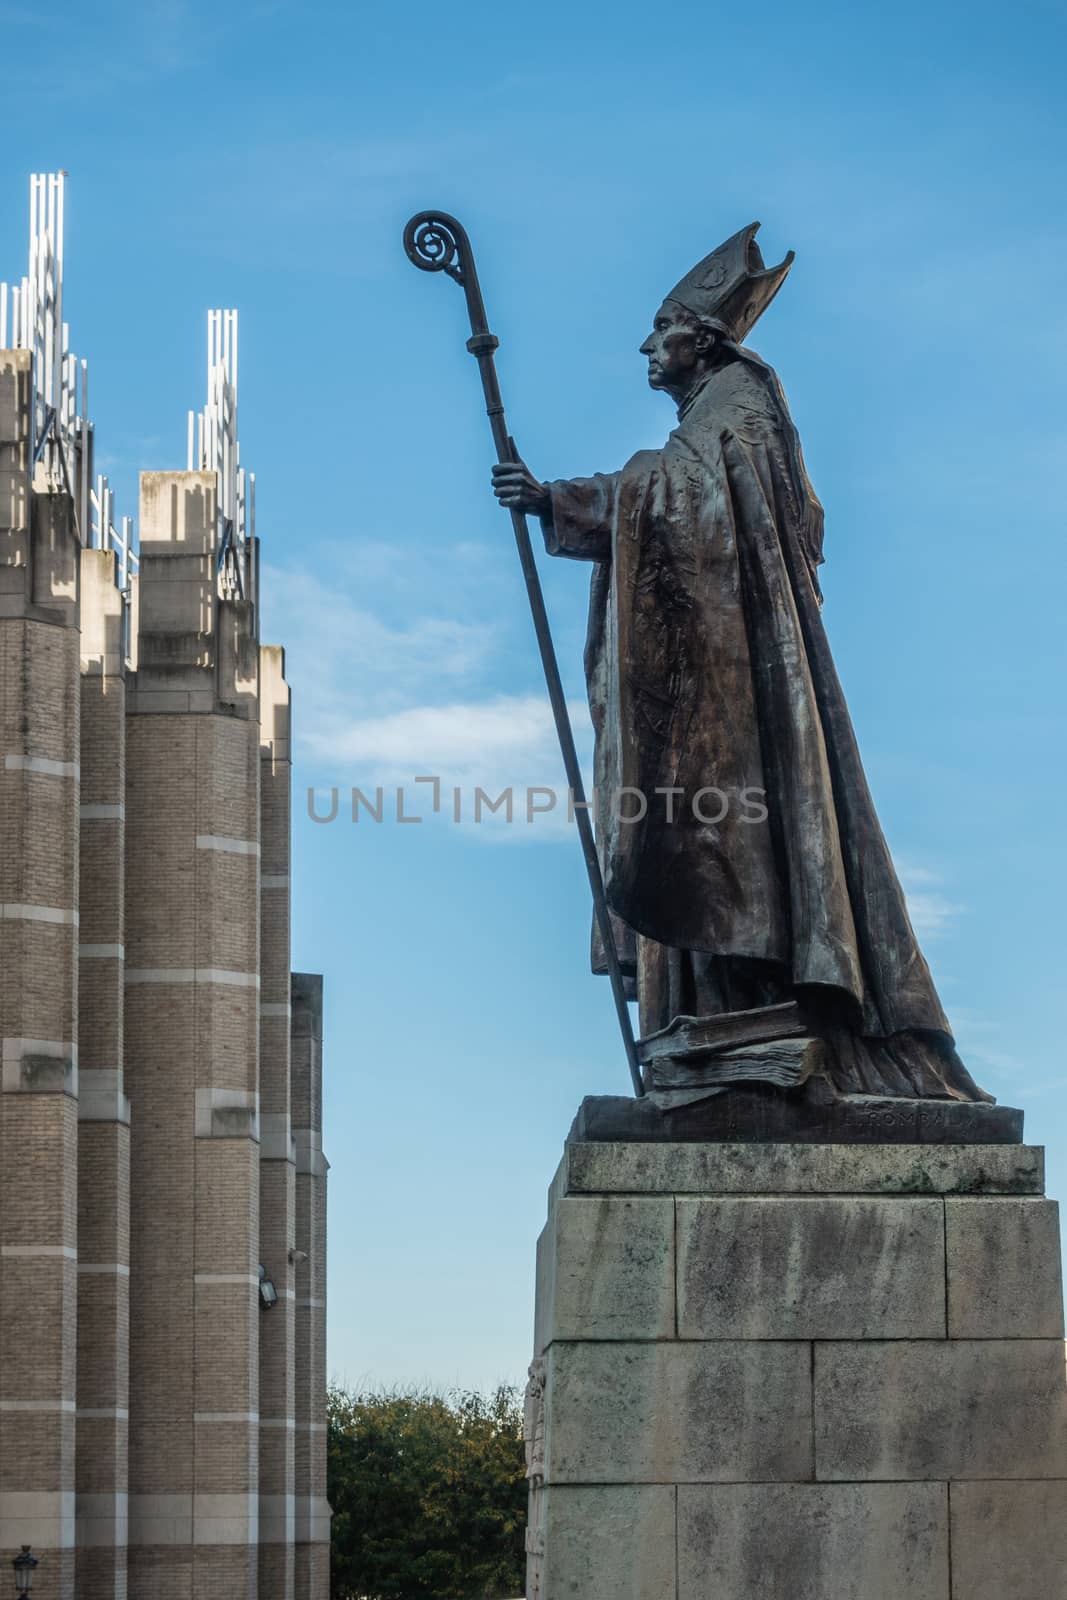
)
(718, 302)
(680, 348)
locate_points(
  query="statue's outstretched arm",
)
(580, 515)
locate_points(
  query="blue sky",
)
(266, 156)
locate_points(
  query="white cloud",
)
(931, 911)
(507, 743)
(468, 736)
(421, 681)
(345, 655)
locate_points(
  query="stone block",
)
(545, 1289)
(609, 1543)
(1004, 1269)
(16, 367)
(761, 1114)
(806, 1541)
(678, 1413)
(767, 1169)
(853, 1267)
(1009, 1541)
(178, 513)
(940, 1410)
(613, 1273)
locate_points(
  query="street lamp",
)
(24, 1566)
(268, 1294)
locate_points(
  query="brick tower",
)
(162, 1222)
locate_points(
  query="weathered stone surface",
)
(545, 1289)
(613, 1273)
(677, 1413)
(840, 1491)
(953, 1409)
(853, 1267)
(609, 1543)
(1004, 1269)
(756, 1113)
(721, 1168)
(1009, 1541)
(801, 1541)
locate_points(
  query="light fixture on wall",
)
(24, 1565)
(268, 1294)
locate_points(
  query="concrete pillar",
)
(312, 1508)
(39, 706)
(277, 1171)
(103, 1110)
(192, 1029)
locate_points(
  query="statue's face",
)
(677, 348)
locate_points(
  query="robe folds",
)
(710, 676)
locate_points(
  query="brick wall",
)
(161, 1433)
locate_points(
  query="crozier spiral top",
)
(435, 242)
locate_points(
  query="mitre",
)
(732, 288)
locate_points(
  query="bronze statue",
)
(756, 912)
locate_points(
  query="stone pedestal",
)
(786, 1371)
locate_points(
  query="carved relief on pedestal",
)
(534, 1435)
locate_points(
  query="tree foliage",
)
(428, 1493)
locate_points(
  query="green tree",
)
(428, 1493)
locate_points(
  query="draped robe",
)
(710, 674)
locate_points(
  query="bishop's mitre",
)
(732, 288)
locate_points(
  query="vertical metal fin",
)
(31, 318)
(218, 450)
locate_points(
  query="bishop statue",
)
(752, 891)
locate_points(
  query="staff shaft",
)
(435, 242)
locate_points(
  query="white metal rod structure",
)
(31, 318)
(212, 445)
